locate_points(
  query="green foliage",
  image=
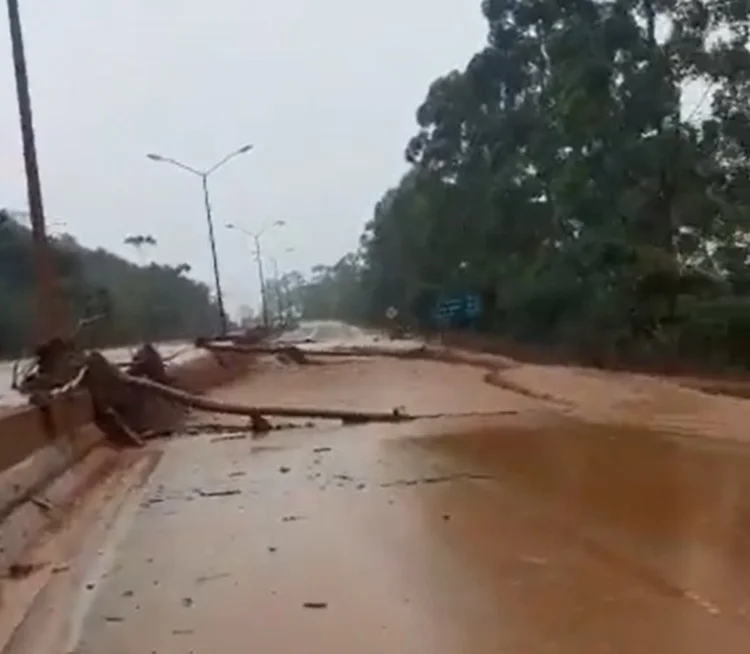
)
(135, 302)
(329, 292)
(562, 176)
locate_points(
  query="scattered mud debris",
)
(315, 605)
(321, 450)
(202, 429)
(237, 473)
(284, 470)
(271, 549)
(234, 437)
(128, 593)
(435, 480)
(187, 602)
(204, 579)
(23, 570)
(114, 618)
(219, 493)
(44, 504)
(292, 518)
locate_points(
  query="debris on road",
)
(315, 605)
(204, 579)
(219, 493)
(435, 480)
(234, 437)
(23, 570)
(284, 469)
(257, 414)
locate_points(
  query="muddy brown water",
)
(537, 532)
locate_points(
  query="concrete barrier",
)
(40, 449)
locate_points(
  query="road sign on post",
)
(457, 311)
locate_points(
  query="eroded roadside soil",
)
(609, 513)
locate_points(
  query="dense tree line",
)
(587, 174)
(328, 292)
(134, 302)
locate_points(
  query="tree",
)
(561, 176)
(329, 291)
(128, 299)
(141, 242)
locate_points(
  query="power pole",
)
(50, 318)
(212, 241)
(261, 279)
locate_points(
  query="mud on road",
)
(609, 513)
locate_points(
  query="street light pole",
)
(259, 260)
(214, 257)
(49, 305)
(204, 175)
(261, 279)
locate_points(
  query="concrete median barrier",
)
(48, 454)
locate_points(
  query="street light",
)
(204, 175)
(259, 258)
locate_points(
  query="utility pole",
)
(214, 258)
(261, 279)
(259, 259)
(50, 318)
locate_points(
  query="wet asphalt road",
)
(532, 533)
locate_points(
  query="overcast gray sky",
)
(326, 90)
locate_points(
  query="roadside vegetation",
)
(587, 174)
(134, 302)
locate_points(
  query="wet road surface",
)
(537, 532)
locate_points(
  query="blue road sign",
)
(457, 310)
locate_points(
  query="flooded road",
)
(537, 532)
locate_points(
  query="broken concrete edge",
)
(39, 446)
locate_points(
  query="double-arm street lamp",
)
(204, 175)
(259, 258)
